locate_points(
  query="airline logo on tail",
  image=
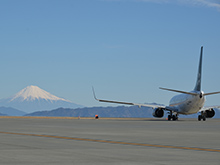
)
(199, 76)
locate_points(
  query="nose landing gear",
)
(172, 117)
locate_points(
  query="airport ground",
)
(26, 140)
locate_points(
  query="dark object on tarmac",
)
(96, 116)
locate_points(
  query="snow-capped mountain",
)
(33, 98)
(32, 93)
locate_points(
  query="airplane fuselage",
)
(187, 104)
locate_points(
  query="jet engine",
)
(209, 113)
(158, 112)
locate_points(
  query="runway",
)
(109, 141)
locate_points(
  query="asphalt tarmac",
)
(110, 141)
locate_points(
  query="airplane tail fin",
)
(199, 75)
(198, 82)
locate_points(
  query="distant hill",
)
(120, 111)
(8, 111)
(3, 114)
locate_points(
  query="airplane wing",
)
(209, 108)
(127, 103)
(208, 112)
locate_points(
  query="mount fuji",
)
(33, 98)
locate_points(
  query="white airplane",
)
(185, 103)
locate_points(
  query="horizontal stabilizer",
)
(212, 93)
(173, 90)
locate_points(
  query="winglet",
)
(94, 94)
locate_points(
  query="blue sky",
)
(126, 49)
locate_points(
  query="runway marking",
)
(114, 142)
(73, 118)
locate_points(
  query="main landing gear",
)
(172, 117)
(202, 117)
